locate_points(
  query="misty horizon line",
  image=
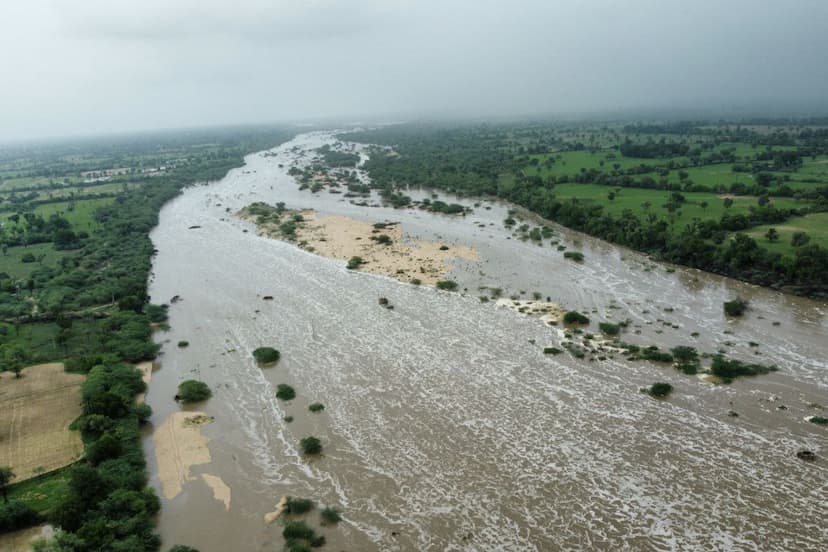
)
(733, 115)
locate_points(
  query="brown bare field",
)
(35, 413)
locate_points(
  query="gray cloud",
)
(98, 66)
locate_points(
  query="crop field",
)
(32, 443)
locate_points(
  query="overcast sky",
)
(92, 66)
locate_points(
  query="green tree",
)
(6, 475)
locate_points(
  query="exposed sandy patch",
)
(21, 541)
(35, 413)
(179, 445)
(270, 517)
(341, 238)
(548, 312)
(221, 491)
(146, 374)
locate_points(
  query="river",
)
(445, 426)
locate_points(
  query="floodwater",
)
(445, 426)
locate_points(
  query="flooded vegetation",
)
(503, 413)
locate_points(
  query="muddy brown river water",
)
(445, 426)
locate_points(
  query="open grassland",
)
(35, 413)
(79, 213)
(814, 224)
(635, 199)
(45, 254)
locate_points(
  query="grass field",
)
(31, 441)
(815, 225)
(634, 199)
(78, 213)
(11, 262)
(41, 493)
(571, 163)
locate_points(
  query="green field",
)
(815, 225)
(635, 198)
(42, 493)
(78, 213)
(11, 263)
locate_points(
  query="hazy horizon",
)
(116, 67)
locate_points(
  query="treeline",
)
(461, 162)
(652, 149)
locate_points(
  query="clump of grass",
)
(660, 390)
(447, 285)
(575, 317)
(354, 263)
(190, 391)
(316, 407)
(383, 239)
(285, 392)
(736, 307)
(311, 445)
(266, 355)
(330, 515)
(295, 505)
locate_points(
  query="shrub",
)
(575, 317)
(652, 353)
(330, 515)
(447, 285)
(311, 445)
(728, 369)
(609, 328)
(182, 548)
(551, 351)
(156, 313)
(190, 391)
(416, 281)
(288, 419)
(818, 420)
(15, 514)
(285, 392)
(298, 505)
(316, 407)
(354, 263)
(736, 307)
(183, 344)
(660, 390)
(266, 355)
(574, 255)
(383, 239)
(297, 530)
